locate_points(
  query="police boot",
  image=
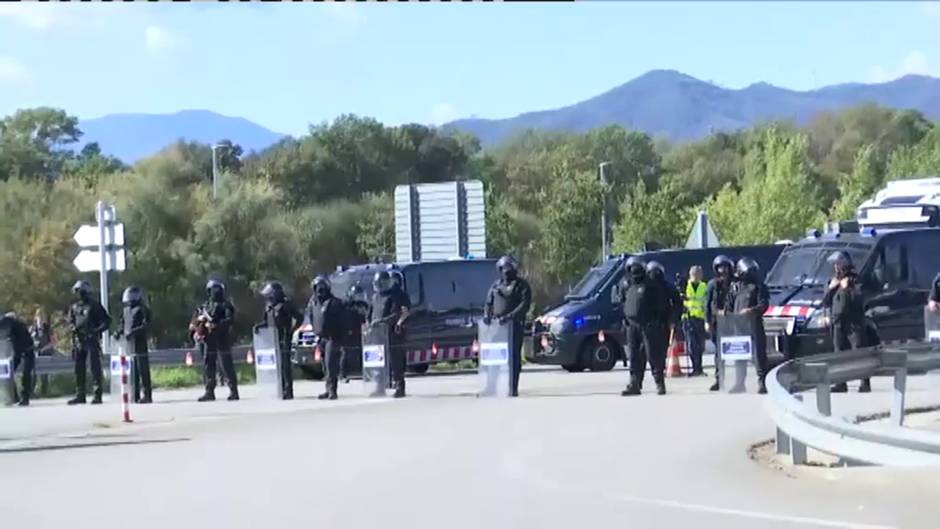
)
(840, 388)
(232, 395)
(633, 388)
(714, 387)
(761, 386)
(399, 389)
(96, 399)
(660, 384)
(208, 396)
(325, 395)
(79, 399)
(865, 386)
(23, 402)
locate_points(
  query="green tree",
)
(920, 160)
(571, 236)
(665, 217)
(860, 185)
(33, 143)
(376, 237)
(779, 196)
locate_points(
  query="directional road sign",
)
(90, 261)
(88, 236)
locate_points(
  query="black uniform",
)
(509, 300)
(284, 317)
(87, 319)
(645, 314)
(24, 354)
(327, 315)
(935, 289)
(751, 294)
(135, 320)
(848, 323)
(718, 301)
(357, 314)
(216, 344)
(387, 307)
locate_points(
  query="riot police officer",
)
(847, 311)
(357, 313)
(280, 313)
(390, 307)
(645, 309)
(718, 303)
(326, 313)
(87, 320)
(24, 354)
(135, 321)
(672, 313)
(752, 298)
(508, 301)
(933, 301)
(216, 316)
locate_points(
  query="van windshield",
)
(592, 280)
(799, 266)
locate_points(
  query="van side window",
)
(891, 267)
(924, 264)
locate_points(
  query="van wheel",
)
(314, 372)
(573, 368)
(419, 369)
(600, 356)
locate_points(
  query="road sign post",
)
(107, 237)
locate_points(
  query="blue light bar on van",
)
(869, 232)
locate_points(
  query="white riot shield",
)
(931, 326)
(375, 367)
(264, 342)
(494, 360)
(736, 348)
(7, 378)
(115, 385)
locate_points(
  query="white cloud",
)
(32, 15)
(13, 71)
(159, 39)
(442, 113)
(914, 62)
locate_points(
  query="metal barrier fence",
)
(800, 426)
(49, 365)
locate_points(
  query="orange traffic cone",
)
(673, 367)
(189, 358)
(249, 357)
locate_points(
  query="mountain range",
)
(662, 103)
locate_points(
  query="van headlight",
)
(819, 320)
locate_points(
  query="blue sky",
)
(284, 66)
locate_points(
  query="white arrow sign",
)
(87, 236)
(90, 261)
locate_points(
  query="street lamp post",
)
(215, 169)
(602, 169)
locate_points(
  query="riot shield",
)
(267, 357)
(375, 366)
(494, 359)
(7, 378)
(735, 349)
(123, 346)
(931, 326)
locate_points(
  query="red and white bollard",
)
(125, 398)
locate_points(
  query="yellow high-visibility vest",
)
(695, 300)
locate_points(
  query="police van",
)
(896, 268)
(585, 332)
(447, 299)
(902, 204)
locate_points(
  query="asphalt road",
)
(570, 452)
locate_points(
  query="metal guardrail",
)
(48, 365)
(800, 426)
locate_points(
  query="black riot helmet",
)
(82, 289)
(635, 267)
(398, 279)
(841, 262)
(508, 267)
(273, 291)
(722, 261)
(215, 290)
(321, 287)
(656, 270)
(132, 295)
(382, 281)
(356, 293)
(748, 268)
